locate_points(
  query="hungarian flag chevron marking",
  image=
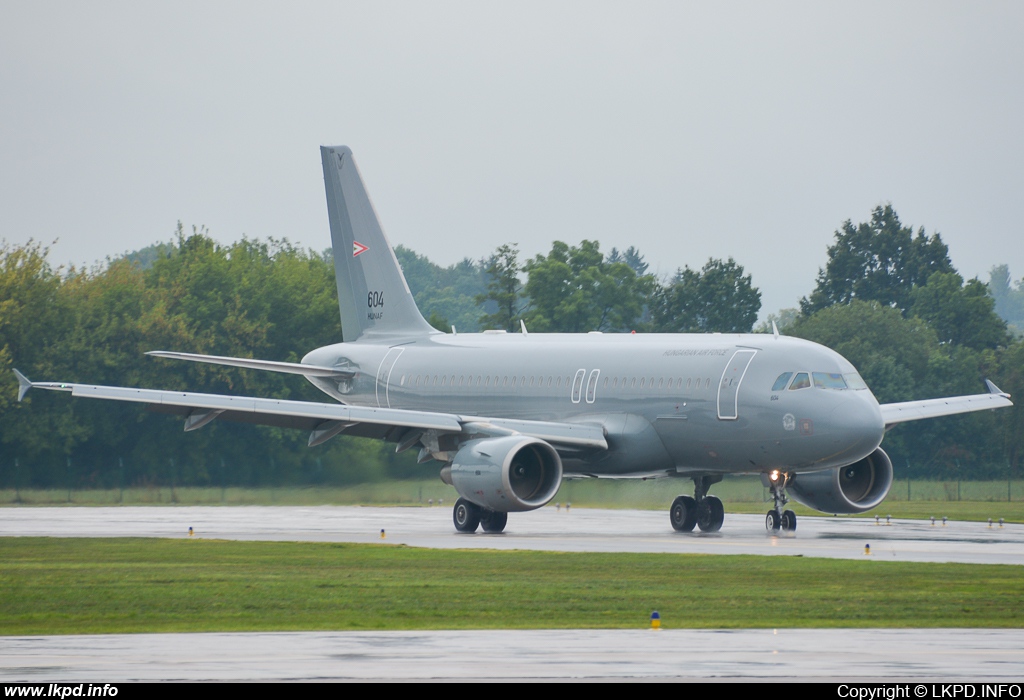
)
(358, 248)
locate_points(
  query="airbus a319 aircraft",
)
(507, 416)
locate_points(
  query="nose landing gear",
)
(777, 518)
(702, 510)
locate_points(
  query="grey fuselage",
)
(669, 404)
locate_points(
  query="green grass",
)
(77, 586)
(381, 493)
(744, 494)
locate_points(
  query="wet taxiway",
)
(579, 530)
(847, 655)
(853, 656)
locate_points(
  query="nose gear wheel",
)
(778, 518)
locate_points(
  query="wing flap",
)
(376, 431)
(275, 407)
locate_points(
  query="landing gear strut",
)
(702, 510)
(467, 516)
(777, 518)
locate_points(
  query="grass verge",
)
(79, 586)
(968, 500)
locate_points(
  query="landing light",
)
(774, 475)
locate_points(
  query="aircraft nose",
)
(858, 422)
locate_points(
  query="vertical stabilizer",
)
(372, 292)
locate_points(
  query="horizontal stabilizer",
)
(248, 363)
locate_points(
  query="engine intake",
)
(855, 488)
(506, 474)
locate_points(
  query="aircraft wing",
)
(325, 420)
(894, 413)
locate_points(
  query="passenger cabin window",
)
(802, 381)
(782, 381)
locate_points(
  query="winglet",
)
(23, 384)
(992, 388)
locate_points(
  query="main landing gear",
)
(467, 516)
(777, 518)
(701, 510)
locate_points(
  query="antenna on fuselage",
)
(775, 329)
(522, 324)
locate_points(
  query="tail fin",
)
(372, 292)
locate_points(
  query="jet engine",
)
(506, 474)
(851, 489)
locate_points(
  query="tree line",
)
(577, 289)
(888, 298)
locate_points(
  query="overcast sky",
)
(689, 130)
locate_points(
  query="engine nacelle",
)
(506, 474)
(852, 489)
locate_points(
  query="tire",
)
(683, 514)
(493, 522)
(710, 514)
(466, 515)
(789, 520)
(771, 521)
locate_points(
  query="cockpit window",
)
(782, 381)
(802, 381)
(829, 380)
(854, 381)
